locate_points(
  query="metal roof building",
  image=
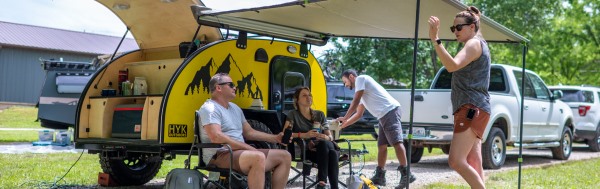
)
(22, 47)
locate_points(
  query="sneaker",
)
(379, 177)
(405, 178)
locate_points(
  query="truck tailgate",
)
(425, 99)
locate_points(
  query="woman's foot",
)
(322, 185)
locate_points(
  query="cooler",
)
(127, 121)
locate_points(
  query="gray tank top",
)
(470, 84)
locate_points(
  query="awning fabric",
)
(365, 18)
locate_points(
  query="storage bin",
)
(45, 135)
(127, 121)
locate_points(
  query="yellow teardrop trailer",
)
(134, 133)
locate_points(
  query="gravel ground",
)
(435, 168)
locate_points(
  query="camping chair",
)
(219, 177)
(302, 162)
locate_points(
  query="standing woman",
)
(470, 70)
(321, 148)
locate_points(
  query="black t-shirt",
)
(301, 124)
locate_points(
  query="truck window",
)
(541, 92)
(528, 88)
(444, 80)
(497, 80)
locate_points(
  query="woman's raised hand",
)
(434, 27)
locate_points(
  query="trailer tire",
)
(262, 127)
(563, 152)
(493, 151)
(133, 169)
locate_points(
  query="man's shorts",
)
(477, 124)
(390, 128)
(221, 158)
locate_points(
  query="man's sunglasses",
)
(228, 83)
(458, 27)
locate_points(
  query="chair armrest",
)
(212, 145)
(301, 142)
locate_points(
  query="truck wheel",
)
(416, 153)
(446, 149)
(133, 169)
(260, 126)
(493, 151)
(563, 151)
(595, 142)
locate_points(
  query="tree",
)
(564, 44)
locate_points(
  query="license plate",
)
(418, 131)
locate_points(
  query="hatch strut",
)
(112, 56)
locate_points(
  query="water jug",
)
(126, 88)
(139, 86)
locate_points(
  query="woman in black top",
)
(321, 149)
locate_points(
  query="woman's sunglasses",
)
(458, 27)
(230, 84)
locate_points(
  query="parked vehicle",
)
(63, 85)
(546, 120)
(585, 104)
(339, 99)
(134, 132)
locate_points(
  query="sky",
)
(92, 17)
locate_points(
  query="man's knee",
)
(255, 156)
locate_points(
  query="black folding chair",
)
(223, 177)
(302, 144)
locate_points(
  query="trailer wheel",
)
(415, 153)
(563, 151)
(493, 151)
(133, 169)
(260, 126)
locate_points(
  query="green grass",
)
(43, 170)
(18, 136)
(19, 117)
(572, 174)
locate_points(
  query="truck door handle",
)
(544, 109)
(419, 97)
(526, 108)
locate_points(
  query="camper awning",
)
(318, 20)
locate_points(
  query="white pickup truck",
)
(547, 121)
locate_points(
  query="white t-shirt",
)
(231, 120)
(375, 98)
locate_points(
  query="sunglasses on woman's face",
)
(230, 84)
(458, 27)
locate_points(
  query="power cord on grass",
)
(56, 182)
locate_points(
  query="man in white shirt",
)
(224, 122)
(372, 96)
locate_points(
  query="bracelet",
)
(298, 135)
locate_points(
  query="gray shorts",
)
(390, 128)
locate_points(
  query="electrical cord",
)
(55, 182)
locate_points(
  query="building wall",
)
(21, 73)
